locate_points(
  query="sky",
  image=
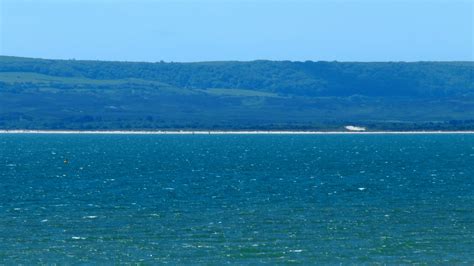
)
(211, 30)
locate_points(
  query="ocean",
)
(238, 199)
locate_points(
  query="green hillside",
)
(71, 94)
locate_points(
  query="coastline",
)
(223, 132)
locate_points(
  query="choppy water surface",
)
(238, 199)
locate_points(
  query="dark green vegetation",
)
(70, 94)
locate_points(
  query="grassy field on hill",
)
(70, 94)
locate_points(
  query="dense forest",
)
(73, 94)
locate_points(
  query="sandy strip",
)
(217, 132)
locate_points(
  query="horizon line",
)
(227, 132)
(230, 60)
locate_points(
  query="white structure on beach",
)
(354, 128)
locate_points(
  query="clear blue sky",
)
(208, 30)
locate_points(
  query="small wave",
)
(296, 250)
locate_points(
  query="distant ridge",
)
(76, 94)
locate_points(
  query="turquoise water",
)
(243, 199)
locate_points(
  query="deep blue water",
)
(242, 199)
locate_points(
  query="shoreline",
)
(223, 132)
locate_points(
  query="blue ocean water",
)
(241, 199)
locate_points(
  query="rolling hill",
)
(73, 94)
